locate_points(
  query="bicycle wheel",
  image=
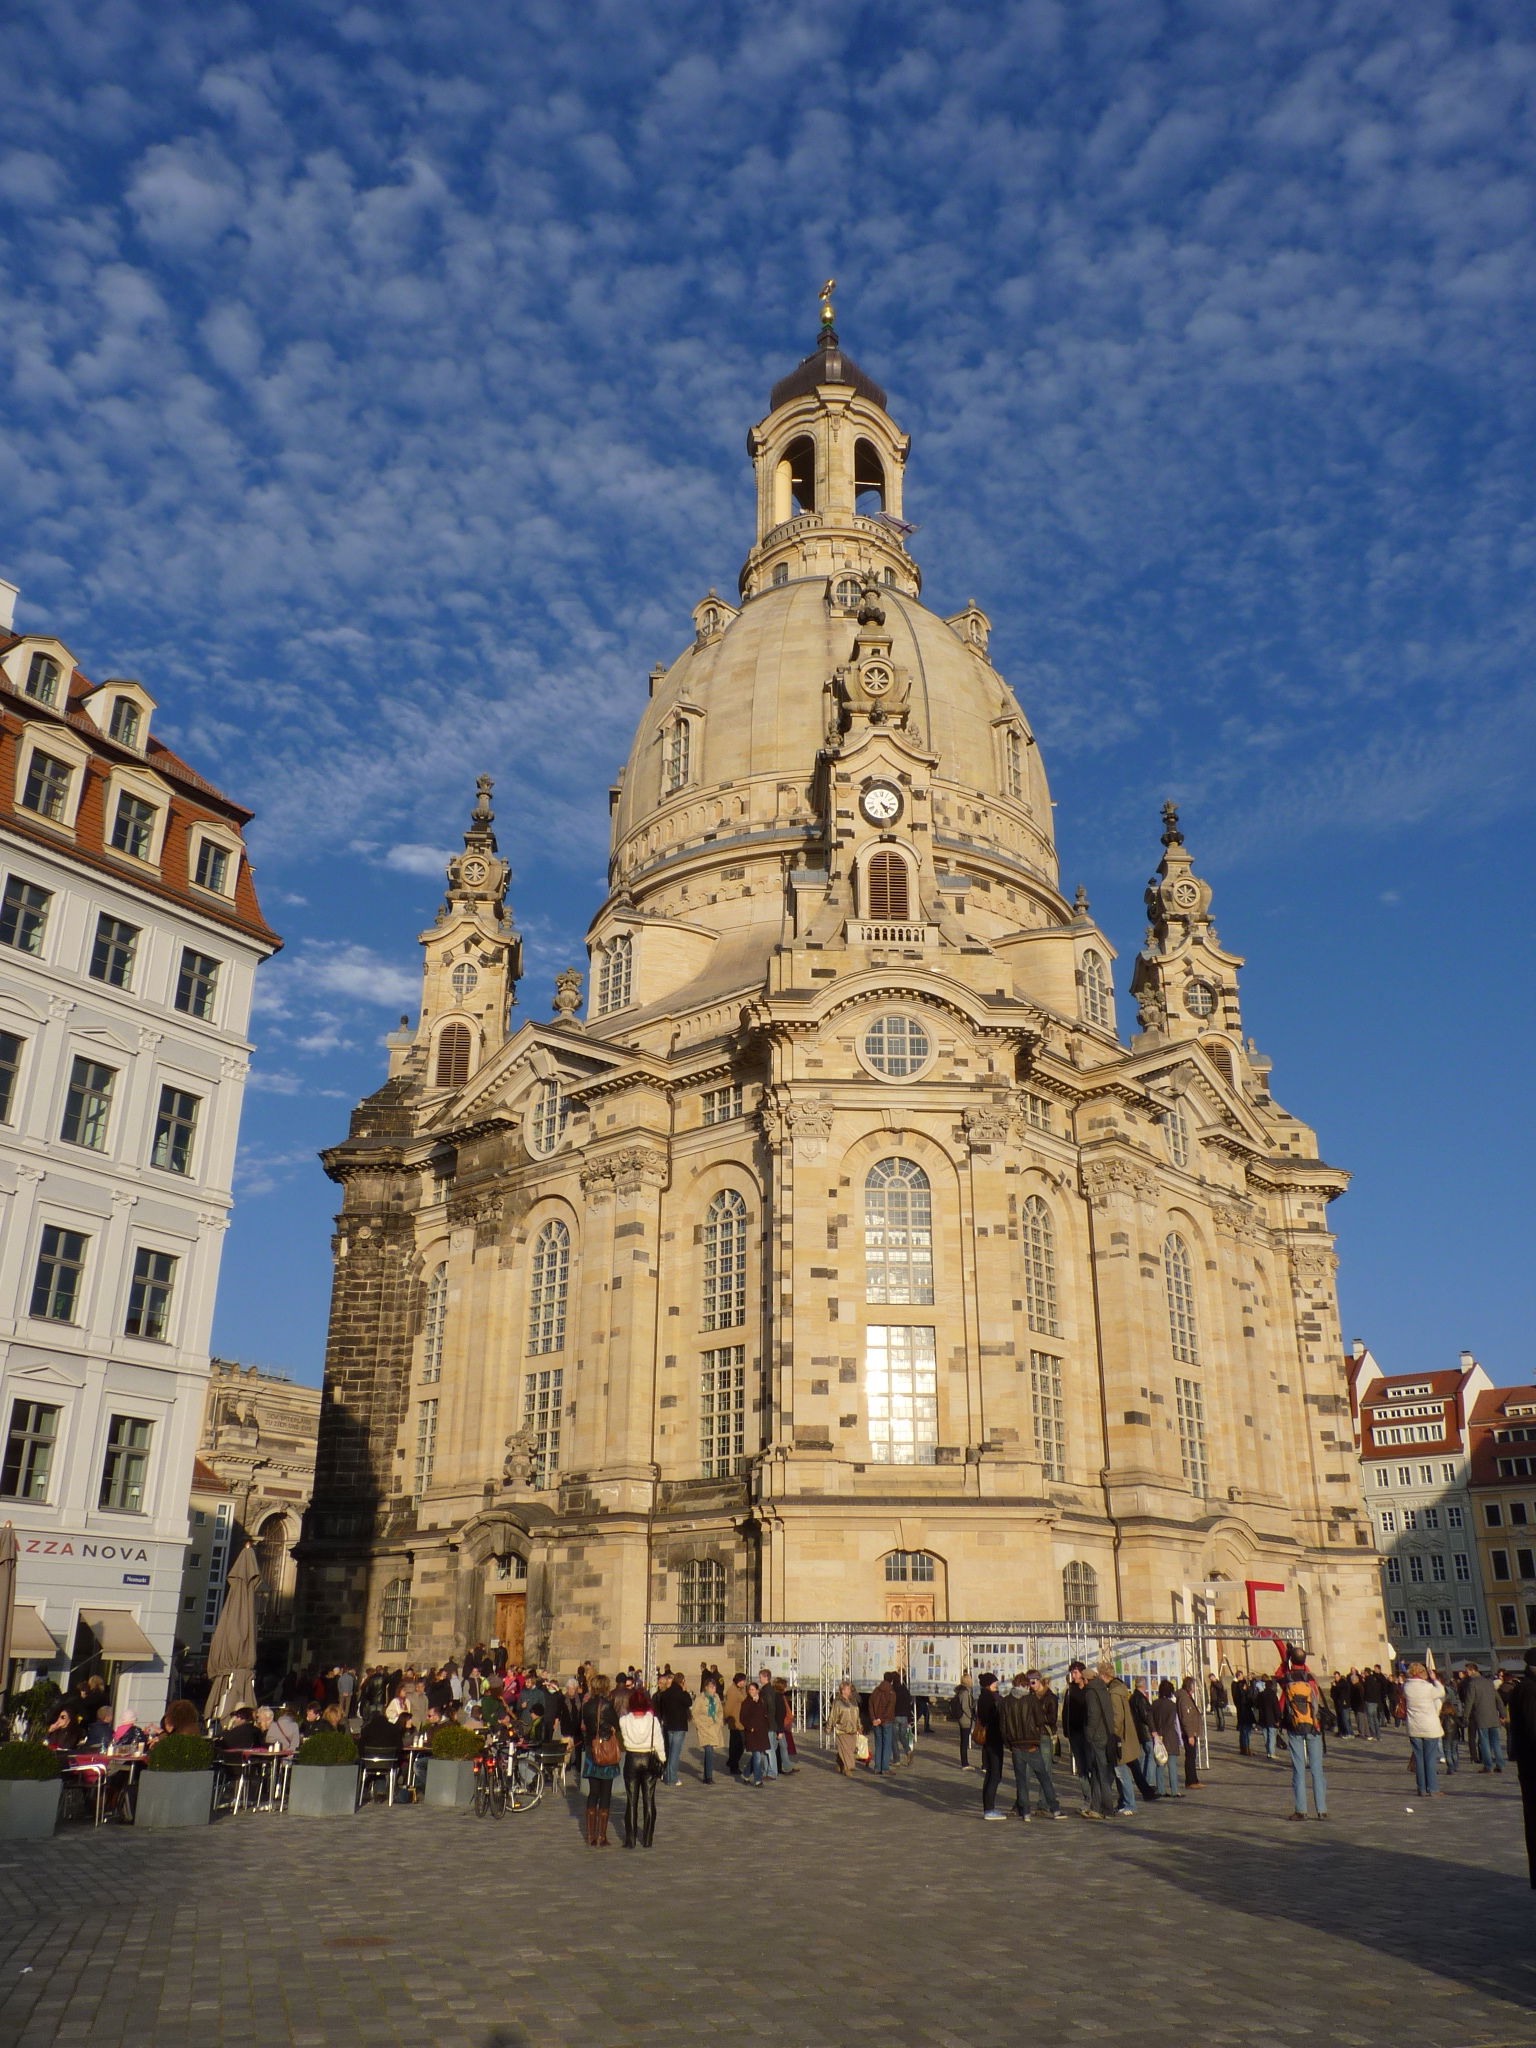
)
(482, 1795)
(498, 1785)
(527, 1784)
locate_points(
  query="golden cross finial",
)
(825, 295)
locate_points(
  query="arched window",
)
(909, 1567)
(1040, 1268)
(43, 678)
(466, 979)
(615, 974)
(1176, 1129)
(272, 1556)
(886, 887)
(1013, 762)
(433, 1325)
(549, 1280)
(453, 1056)
(868, 478)
(794, 488)
(1079, 1592)
(898, 1233)
(846, 593)
(701, 1601)
(395, 1615)
(546, 1119)
(679, 751)
(1095, 989)
(780, 575)
(725, 1262)
(1179, 1278)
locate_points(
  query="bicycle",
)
(490, 1789)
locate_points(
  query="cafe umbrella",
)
(232, 1653)
(7, 1600)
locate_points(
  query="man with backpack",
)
(1301, 1716)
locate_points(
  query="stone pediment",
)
(530, 1055)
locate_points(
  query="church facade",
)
(837, 1257)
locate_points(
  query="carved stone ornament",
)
(810, 1125)
(1314, 1266)
(1105, 1178)
(519, 1466)
(986, 1127)
(567, 993)
(634, 1166)
(1152, 1010)
(477, 1208)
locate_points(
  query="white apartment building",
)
(1416, 1464)
(129, 939)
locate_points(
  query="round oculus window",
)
(464, 980)
(1200, 999)
(1185, 894)
(897, 1047)
(473, 872)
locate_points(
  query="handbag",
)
(603, 1750)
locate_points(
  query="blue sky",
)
(375, 385)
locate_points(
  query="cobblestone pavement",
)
(810, 1913)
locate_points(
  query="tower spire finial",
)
(828, 334)
(1172, 836)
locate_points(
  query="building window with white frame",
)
(434, 1323)
(133, 828)
(901, 1386)
(1095, 990)
(212, 868)
(113, 950)
(725, 1262)
(546, 1118)
(42, 684)
(175, 1130)
(1463, 1565)
(149, 1295)
(46, 790)
(30, 1440)
(1394, 1571)
(10, 1069)
(1469, 1627)
(125, 722)
(1036, 1110)
(125, 1469)
(910, 1568)
(1179, 1284)
(1079, 1592)
(1383, 1477)
(679, 750)
(88, 1104)
(722, 1411)
(1176, 1130)
(426, 1446)
(898, 1234)
(1189, 1398)
(197, 984)
(615, 974)
(1039, 1255)
(1013, 763)
(60, 1274)
(1388, 1520)
(1048, 1414)
(24, 915)
(1454, 1516)
(542, 1396)
(395, 1616)
(722, 1105)
(701, 1601)
(549, 1279)
(1415, 1569)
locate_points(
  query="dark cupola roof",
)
(826, 365)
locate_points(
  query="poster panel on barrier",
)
(872, 1657)
(934, 1665)
(778, 1654)
(1004, 1655)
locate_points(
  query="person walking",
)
(604, 1753)
(674, 1710)
(1192, 1724)
(882, 1721)
(1450, 1730)
(707, 1717)
(1522, 1752)
(645, 1757)
(962, 1711)
(988, 1734)
(1485, 1719)
(1165, 1734)
(781, 1715)
(735, 1693)
(756, 1730)
(1127, 1745)
(1301, 1709)
(1423, 1696)
(844, 1723)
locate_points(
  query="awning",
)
(30, 1636)
(121, 1639)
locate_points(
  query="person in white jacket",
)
(645, 1756)
(1423, 1697)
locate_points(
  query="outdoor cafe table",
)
(254, 1763)
(102, 1765)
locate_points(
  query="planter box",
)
(323, 1789)
(173, 1799)
(450, 1781)
(28, 1808)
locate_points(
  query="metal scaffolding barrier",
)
(816, 1656)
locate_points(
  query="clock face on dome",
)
(473, 872)
(881, 804)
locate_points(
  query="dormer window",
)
(43, 674)
(1094, 982)
(1013, 762)
(615, 975)
(46, 790)
(133, 829)
(780, 575)
(126, 722)
(846, 593)
(211, 867)
(678, 756)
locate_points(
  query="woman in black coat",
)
(756, 1733)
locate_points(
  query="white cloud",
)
(409, 859)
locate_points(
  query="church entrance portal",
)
(511, 1618)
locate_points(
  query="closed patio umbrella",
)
(7, 1600)
(232, 1653)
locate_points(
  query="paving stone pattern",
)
(811, 1913)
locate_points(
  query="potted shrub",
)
(450, 1765)
(29, 1790)
(175, 1788)
(324, 1779)
(32, 1710)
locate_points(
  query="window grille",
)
(1421, 1620)
(901, 1382)
(1416, 1570)
(1400, 1621)
(1389, 1521)
(1049, 1414)
(395, 1615)
(541, 1413)
(1179, 1281)
(1394, 1571)
(453, 1056)
(1454, 1518)
(1463, 1565)
(725, 1262)
(464, 980)
(897, 1046)
(1469, 1625)
(722, 1411)
(615, 974)
(1190, 1401)
(1096, 1006)
(434, 1323)
(1079, 1592)
(1039, 1249)
(898, 1233)
(701, 1601)
(549, 1284)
